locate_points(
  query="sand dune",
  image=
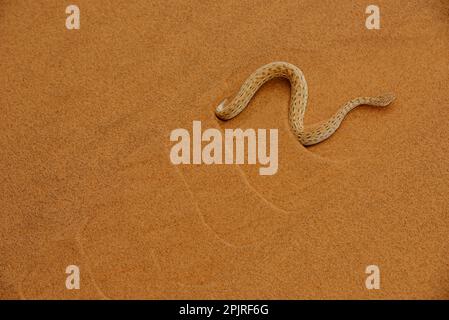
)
(87, 179)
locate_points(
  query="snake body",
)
(307, 135)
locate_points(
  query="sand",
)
(86, 117)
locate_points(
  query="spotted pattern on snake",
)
(307, 135)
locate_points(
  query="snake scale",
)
(307, 135)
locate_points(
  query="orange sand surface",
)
(86, 177)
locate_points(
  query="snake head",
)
(219, 111)
(386, 99)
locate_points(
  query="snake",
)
(307, 135)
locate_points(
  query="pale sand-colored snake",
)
(307, 135)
